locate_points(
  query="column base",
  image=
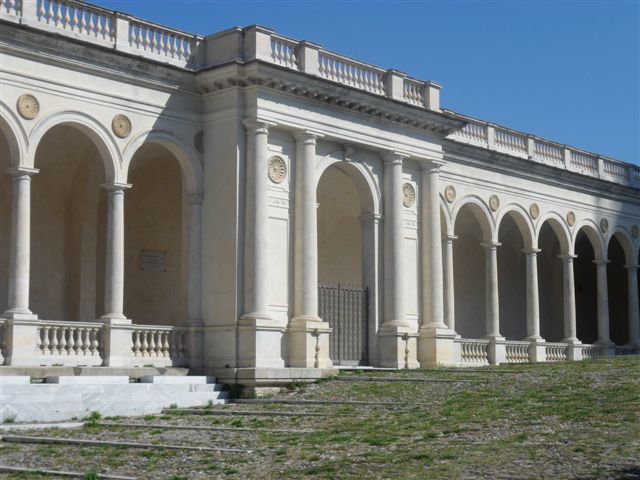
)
(537, 350)
(397, 347)
(309, 342)
(260, 341)
(574, 349)
(437, 346)
(497, 349)
(19, 314)
(116, 338)
(115, 319)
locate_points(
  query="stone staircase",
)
(60, 398)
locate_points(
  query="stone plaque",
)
(408, 195)
(450, 193)
(604, 225)
(494, 202)
(277, 169)
(534, 210)
(121, 125)
(571, 219)
(28, 106)
(635, 231)
(153, 260)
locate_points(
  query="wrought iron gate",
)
(345, 308)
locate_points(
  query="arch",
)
(366, 183)
(445, 214)
(93, 129)
(187, 157)
(559, 227)
(626, 241)
(480, 211)
(592, 231)
(522, 221)
(14, 133)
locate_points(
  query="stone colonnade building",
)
(263, 209)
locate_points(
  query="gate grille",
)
(345, 308)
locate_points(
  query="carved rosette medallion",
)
(28, 106)
(277, 169)
(494, 202)
(121, 125)
(408, 195)
(571, 219)
(198, 141)
(534, 210)
(450, 193)
(604, 225)
(635, 231)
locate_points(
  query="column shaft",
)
(20, 244)
(194, 300)
(256, 214)
(306, 226)
(634, 305)
(533, 301)
(603, 302)
(569, 298)
(431, 239)
(394, 302)
(449, 287)
(492, 304)
(114, 262)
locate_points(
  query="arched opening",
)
(618, 293)
(6, 161)
(550, 278)
(68, 223)
(469, 271)
(512, 280)
(346, 256)
(156, 239)
(586, 289)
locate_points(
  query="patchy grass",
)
(561, 421)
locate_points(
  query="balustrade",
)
(10, 7)
(351, 72)
(70, 339)
(474, 352)
(517, 352)
(511, 141)
(590, 351)
(284, 52)
(584, 163)
(556, 352)
(169, 44)
(79, 17)
(159, 342)
(548, 153)
(615, 171)
(413, 92)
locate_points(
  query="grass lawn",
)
(569, 420)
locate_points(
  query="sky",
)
(568, 71)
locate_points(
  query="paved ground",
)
(577, 420)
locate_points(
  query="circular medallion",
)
(604, 225)
(198, 141)
(635, 231)
(277, 169)
(571, 219)
(494, 202)
(534, 210)
(408, 195)
(450, 193)
(121, 125)
(28, 106)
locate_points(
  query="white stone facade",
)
(178, 200)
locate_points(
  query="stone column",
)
(497, 351)
(307, 331)
(449, 287)
(634, 307)
(20, 245)
(537, 351)
(436, 345)
(604, 338)
(574, 351)
(259, 335)
(394, 326)
(114, 262)
(194, 295)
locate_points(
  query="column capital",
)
(631, 267)
(449, 238)
(196, 199)
(371, 218)
(116, 187)
(308, 137)
(22, 171)
(531, 251)
(566, 257)
(601, 261)
(431, 165)
(491, 245)
(255, 126)
(393, 157)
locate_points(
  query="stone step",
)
(174, 380)
(88, 380)
(15, 380)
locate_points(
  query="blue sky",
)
(568, 71)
